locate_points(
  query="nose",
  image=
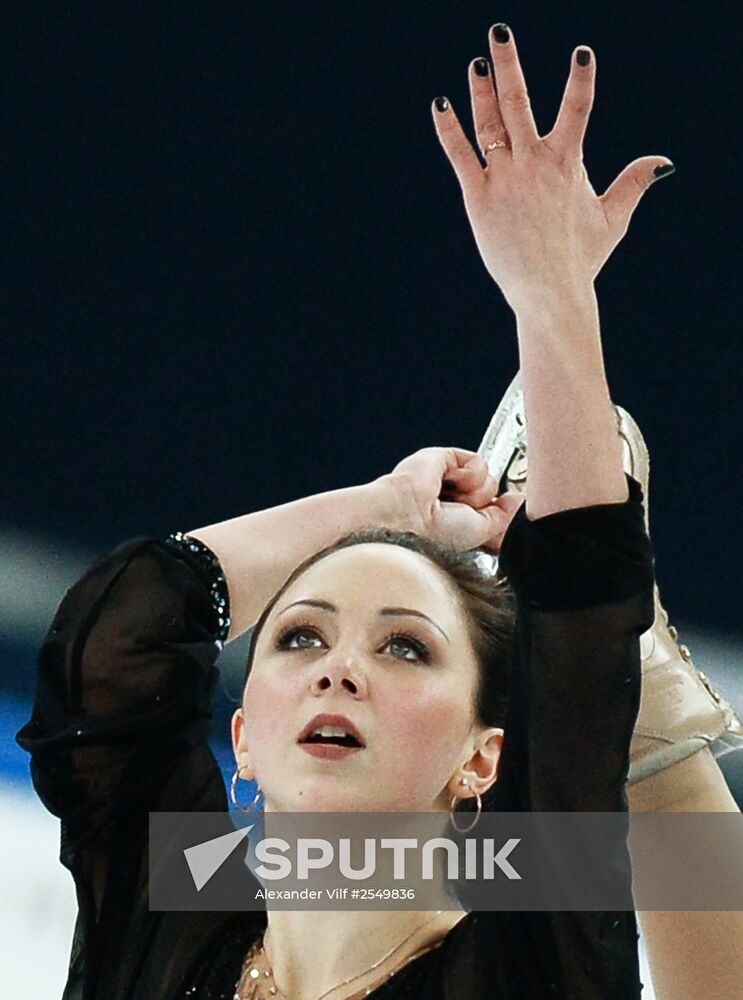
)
(341, 674)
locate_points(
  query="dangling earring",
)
(452, 808)
(233, 795)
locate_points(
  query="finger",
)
(463, 456)
(496, 522)
(471, 476)
(456, 145)
(499, 516)
(452, 462)
(510, 85)
(510, 502)
(435, 461)
(481, 497)
(567, 136)
(623, 195)
(485, 110)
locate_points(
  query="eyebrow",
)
(393, 612)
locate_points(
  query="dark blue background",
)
(236, 266)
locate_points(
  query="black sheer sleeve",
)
(583, 580)
(121, 716)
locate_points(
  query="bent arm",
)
(258, 551)
(575, 457)
(122, 707)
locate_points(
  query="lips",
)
(324, 719)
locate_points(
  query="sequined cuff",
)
(218, 591)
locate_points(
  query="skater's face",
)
(373, 632)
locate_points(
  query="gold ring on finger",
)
(497, 144)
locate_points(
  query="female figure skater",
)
(394, 630)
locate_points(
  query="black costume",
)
(123, 710)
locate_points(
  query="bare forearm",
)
(575, 457)
(695, 784)
(695, 953)
(258, 551)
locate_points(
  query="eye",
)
(399, 640)
(305, 636)
(293, 638)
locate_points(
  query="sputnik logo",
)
(204, 859)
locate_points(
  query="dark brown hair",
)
(487, 602)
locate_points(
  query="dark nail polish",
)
(664, 169)
(501, 32)
(583, 57)
(441, 104)
(481, 67)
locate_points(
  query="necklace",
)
(253, 973)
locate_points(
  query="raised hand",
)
(537, 221)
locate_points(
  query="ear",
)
(481, 769)
(240, 746)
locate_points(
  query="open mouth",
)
(329, 742)
(331, 731)
(337, 741)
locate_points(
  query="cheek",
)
(420, 716)
(270, 711)
(430, 723)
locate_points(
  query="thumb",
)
(623, 195)
(499, 515)
(510, 502)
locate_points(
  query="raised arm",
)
(575, 457)
(544, 236)
(578, 558)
